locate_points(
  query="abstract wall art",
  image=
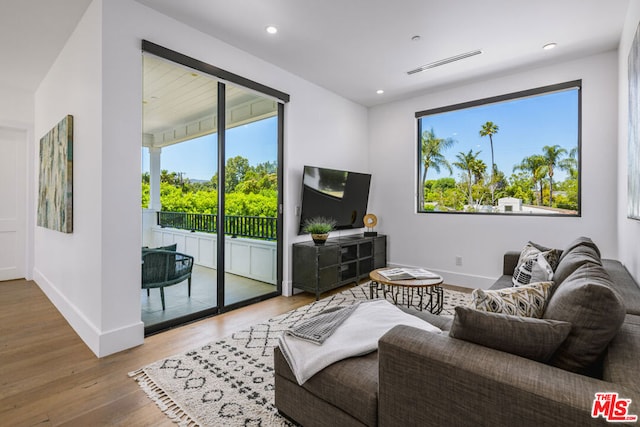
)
(55, 189)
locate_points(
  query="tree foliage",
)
(432, 157)
(533, 180)
(251, 190)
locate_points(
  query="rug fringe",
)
(166, 404)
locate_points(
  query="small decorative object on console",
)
(319, 228)
(370, 221)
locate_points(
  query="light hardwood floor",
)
(48, 376)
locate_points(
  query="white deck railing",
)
(255, 259)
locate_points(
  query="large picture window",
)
(512, 154)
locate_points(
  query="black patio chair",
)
(161, 267)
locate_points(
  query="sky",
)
(525, 126)
(196, 158)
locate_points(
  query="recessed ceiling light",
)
(549, 46)
(379, 91)
(271, 29)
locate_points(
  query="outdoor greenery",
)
(249, 190)
(533, 180)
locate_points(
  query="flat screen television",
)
(332, 193)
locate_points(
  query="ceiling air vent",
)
(445, 61)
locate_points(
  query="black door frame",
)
(282, 98)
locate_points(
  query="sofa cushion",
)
(580, 241)
(504, 281)
(535, 339)
(350, 385)
(574, 258)
(535, 264)
(441, 322)
(624, 284)
(527, 300)
(587, 300)
(621, 363)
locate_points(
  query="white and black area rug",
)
(230, 381)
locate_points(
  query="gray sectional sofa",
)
(417, 378)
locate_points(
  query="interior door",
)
(13, 192)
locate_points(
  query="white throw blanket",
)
(356, 336)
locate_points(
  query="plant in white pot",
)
(319, 228)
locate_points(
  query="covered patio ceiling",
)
(180, 103)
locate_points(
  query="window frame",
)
(529, 93)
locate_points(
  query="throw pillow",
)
(531, 270)
(535, 339)
(546, 249)
(527, 300)
(580, 241)
(588, 301)
(535, 264)
(573, 259)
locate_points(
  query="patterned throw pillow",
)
(527, 300)
(536, 264)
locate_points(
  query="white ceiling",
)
(180, 103)
(32, 33)
(351, 47)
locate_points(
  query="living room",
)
(96, 78)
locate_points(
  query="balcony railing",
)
(256, 227)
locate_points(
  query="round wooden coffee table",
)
(417, 293)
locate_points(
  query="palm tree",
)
(489, 129)
(552, 155)
(479, 169)
(570, 163)
(468, 164)
(432, 157)
(536, 166)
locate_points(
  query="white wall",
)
(83, 272)
(434, 240)
(93, 275)
(628, 229)
(321, 128)
(16, 105)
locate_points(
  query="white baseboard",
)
(458, 279)
(102, 343)
(120, 339)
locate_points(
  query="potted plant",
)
(319, 228)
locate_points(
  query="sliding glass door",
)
(179, 163)
(211, 190)
(250, 195)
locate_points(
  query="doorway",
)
(211, 189)
(13, 191)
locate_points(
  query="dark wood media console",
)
(339, 261)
